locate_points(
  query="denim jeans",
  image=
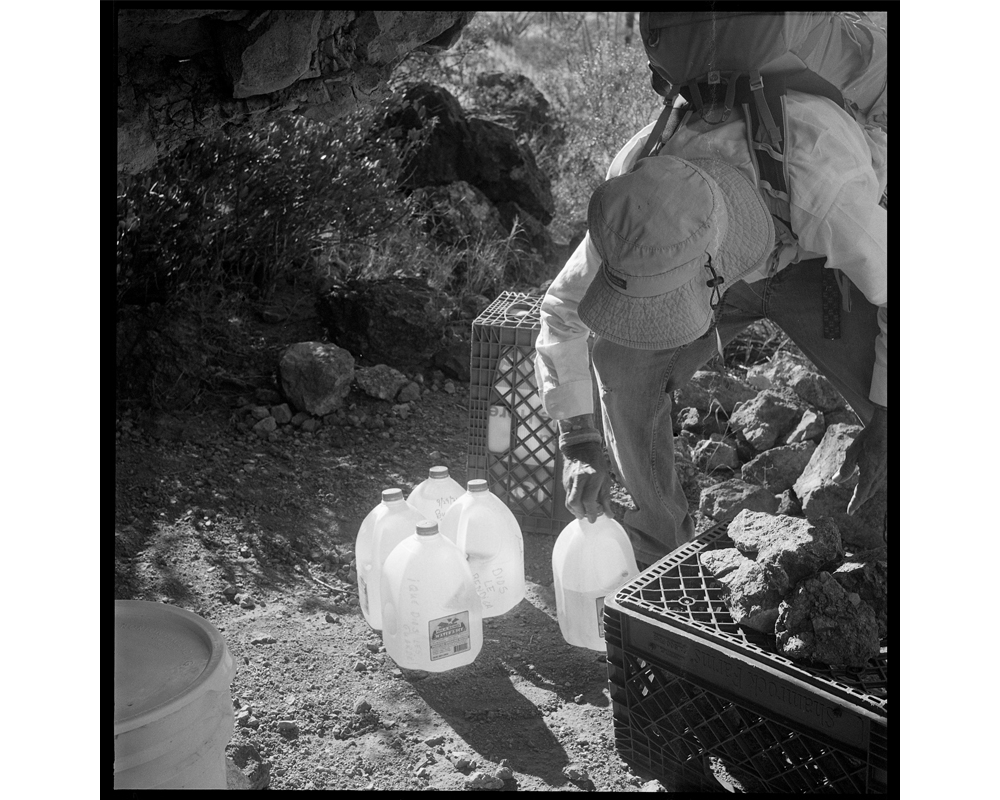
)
(635, 386)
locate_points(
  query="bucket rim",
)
(219, 663)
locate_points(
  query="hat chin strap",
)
(714, 283)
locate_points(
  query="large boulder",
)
(316, 376)
(484, 154)
(513, 100)
(184, 72)
(458, 213)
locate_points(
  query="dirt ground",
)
(258, 537)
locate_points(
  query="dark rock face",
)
(185, 72)
(821, 621)
(401, 322)
(482, 153)
(519, 104)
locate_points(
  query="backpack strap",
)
(667, 122)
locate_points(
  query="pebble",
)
(578, 700)
(504, 773)
(359, 666)
(652, 786)
(262, 638)
(332, 617)
(287, 726)
(434, 741)
(373, 647)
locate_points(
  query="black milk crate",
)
(690, 687)
(512, 443)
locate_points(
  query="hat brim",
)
(680, 316)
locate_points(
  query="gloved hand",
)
(586, 480)
(867, 454)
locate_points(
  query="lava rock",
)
(820, 621)
(777, 469)
(792, 548)
(723, 501)
(766, 418)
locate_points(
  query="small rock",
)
(402, 410)
(579, 700)
(260, 412)
(362, 706)
(652, 786)
(262, 638)
(373, 647)
(408, 393)
(299, 418)
(282, 414)
(449, 387)
(461, 761)
(810, 428)
(482, 780)
(359, 666)
(287, 726)
(575, 774)
(434, 741)
(688, 419)
(247, 603)
(332, 617)
(504, 773)
(230, 592)
(265, 426)
(310, 425)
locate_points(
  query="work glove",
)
(586, 480)
(867, 455)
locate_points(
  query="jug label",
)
(600, 617)
(450, 635)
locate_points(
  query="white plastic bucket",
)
(173, 707)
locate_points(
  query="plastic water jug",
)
(488, 533)
(432, 616)
(386, 525)
(589, 562)
(434, 496)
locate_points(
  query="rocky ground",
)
(257, 536)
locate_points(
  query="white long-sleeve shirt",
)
(837, 173)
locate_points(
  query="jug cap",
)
(391, 495)
(478, 485)
(438, 472)
(426, 528)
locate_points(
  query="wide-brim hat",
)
(664, 231)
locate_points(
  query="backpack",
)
(840, 55)
(750, 60)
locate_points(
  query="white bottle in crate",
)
(589, 562)
(488, 533)
(386, 525)
(435, 495)
(432, 615)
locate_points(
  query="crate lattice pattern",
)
(672, 724)
(522, 465)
